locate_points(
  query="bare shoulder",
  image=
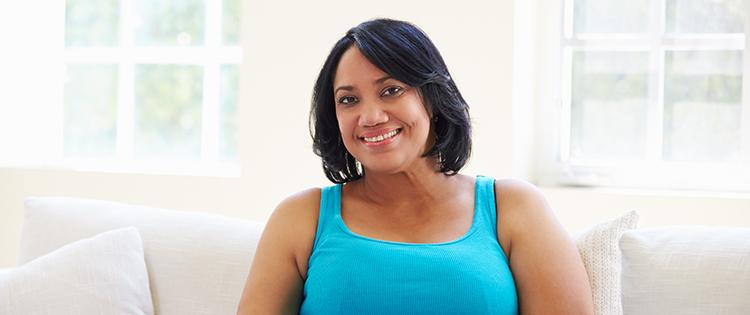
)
(296, 218)
(536, 237)
(520, 197)
(279, 267)
(299, 206)
(299, 213)
(521, 205)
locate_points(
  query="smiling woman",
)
(382, 121)
(402, 232)
(399, 71)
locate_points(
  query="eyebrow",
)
(349, 87)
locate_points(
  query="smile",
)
(381, 137)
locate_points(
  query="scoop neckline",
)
(469, 232)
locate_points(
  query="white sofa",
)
(197, 263)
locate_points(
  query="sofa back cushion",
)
(197, 263)
(686, 270)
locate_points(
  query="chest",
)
(436, 223)
(359, 276)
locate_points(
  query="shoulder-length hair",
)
(404, 52)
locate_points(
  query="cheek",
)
(420, 120)
(346, 128)
(417, 112)
(341, 120)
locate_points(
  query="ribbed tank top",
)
(353, 274)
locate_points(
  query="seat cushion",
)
(197, 263)
(686, 270)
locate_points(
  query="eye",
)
(346, 100)
(392, 91)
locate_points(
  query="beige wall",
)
(286, 42)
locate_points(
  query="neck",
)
(420, 184)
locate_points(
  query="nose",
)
(372, 114)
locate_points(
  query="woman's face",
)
(383, 122)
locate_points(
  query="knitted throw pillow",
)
(600, 251)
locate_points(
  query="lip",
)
(377, 133)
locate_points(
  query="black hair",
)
(404, 52)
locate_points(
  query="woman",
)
(402, 232)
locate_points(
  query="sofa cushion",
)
(600, 253)
(197, 263)
(686, 270)
(105, 274)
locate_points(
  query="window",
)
(147, 86)
(650, 94)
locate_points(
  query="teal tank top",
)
(353, 274)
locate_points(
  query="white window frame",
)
(556, 42)
(210, 56)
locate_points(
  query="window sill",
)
(174, 168)
(649, 192)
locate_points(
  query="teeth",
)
(382, 137)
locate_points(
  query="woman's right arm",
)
(275, 282)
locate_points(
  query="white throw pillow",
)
(105, 274)
(601, 256)
(686, 270)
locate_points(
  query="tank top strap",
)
(485, 205)
(330, 201)
(486, 216)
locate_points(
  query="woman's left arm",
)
(549, 273)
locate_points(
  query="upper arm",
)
(275, 282)
(549, 273)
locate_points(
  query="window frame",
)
(557, 42)
(211, 56)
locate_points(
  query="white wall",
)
(286, 43)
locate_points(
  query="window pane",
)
(91, 22)
(168, 102)
(609, 105)
(702, 105)
(90, 110)
(230, 30)
(705, 16)
(170, 22)
(611, 16)
(230, 76)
